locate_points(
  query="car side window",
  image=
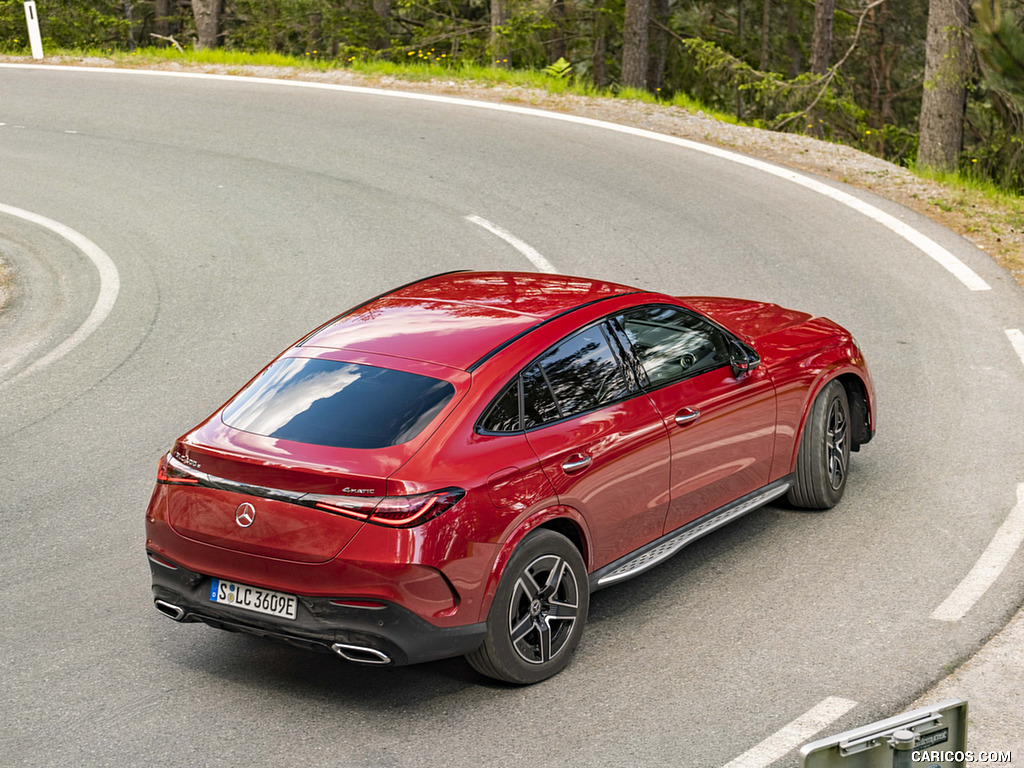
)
(539, 406)
(671, 343)
(503, 415)
(581, 373)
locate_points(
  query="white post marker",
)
(34, 39)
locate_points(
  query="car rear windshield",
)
(336, 404)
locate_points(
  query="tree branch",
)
(168, 39)
(834, 69)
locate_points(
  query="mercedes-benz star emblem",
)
(245, 515)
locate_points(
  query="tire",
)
(537, 617)
(824, 457)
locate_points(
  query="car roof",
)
(458, 318)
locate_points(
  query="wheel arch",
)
(560, 519)
(859, 394)
(861, 409)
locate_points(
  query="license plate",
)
(254, 599)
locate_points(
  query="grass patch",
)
(422, 66)
(966, 190)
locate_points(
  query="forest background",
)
(936, 83)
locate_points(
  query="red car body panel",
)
(647, 474)
(726, 451)
(628, 473)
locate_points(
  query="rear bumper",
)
(388, 635)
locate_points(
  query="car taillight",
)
(392, 511)
(405, 511)
(175, 472)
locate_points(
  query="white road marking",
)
(920, 241)
(1017, 340)
(793, 735)
(110, 285)
(990, 565)
(535, 258)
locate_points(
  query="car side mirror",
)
(742, 358)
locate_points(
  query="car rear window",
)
(337, 404)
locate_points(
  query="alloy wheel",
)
(544, 609)
(835, 444)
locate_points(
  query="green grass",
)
(422, 65)
(964, 191)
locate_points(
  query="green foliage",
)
(65, 23)
(804, 103)
(560, 69)
(995, 118)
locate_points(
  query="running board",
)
(661, 549)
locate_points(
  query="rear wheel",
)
(824, 457)
(537, 618)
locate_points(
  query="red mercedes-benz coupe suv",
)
(453, 467)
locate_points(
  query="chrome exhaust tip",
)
(169, 609)
(360, 654)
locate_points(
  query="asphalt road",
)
(240, 215)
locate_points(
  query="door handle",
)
(576, 462)
(687, 416)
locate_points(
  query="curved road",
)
(239, 215)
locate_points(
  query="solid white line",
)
(1017, 340)
(793, 735)
(923, 243)
(110, 285)
(990, 565)
(535, 258)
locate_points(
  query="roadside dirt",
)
(6, 283)
(996, 229)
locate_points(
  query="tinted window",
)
(671, 343)
(539, 404)
(342, 405)
(504, 414)
(583, 374)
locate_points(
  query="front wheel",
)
(824, 456)
(537, 618)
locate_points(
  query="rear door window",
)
(579, 374)
(583, 373)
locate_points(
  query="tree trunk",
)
(766, 32)
(793, 51)
(598, 70)
(821, 43)
(161, 12)
(499, 47)
(382, 38)
(556, 45)
(946, 72)
(126, 7)
(207, 15)
(742, 47)
(658, 45)
(634, 44)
